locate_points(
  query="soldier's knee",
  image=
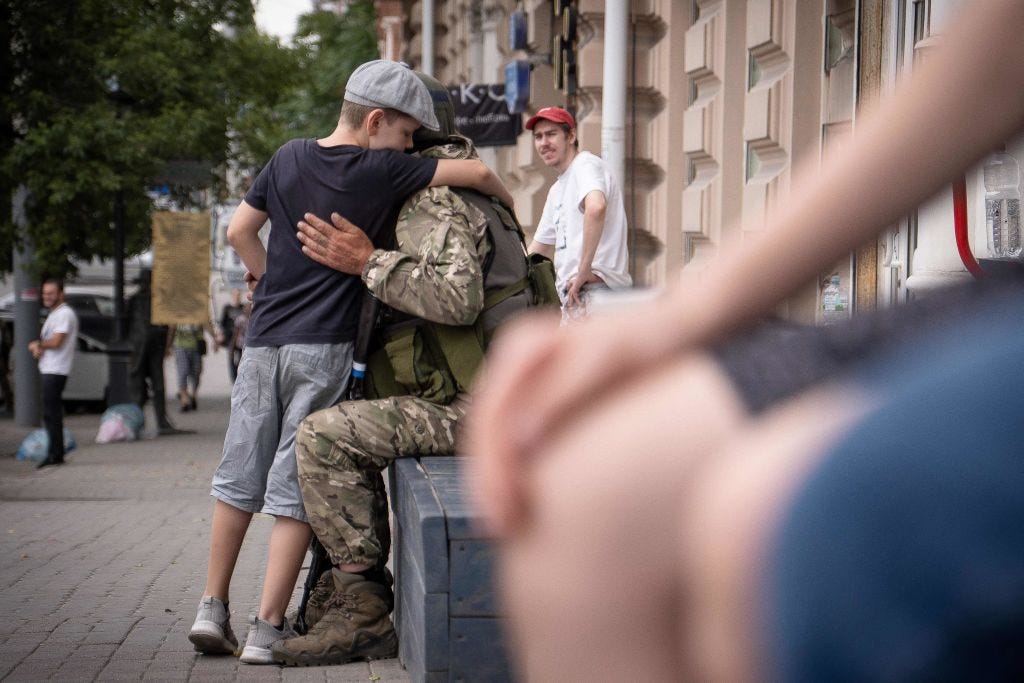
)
(319, 441)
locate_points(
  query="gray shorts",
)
(276, 388)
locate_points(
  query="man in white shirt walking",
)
(583, 226)
(55, 351)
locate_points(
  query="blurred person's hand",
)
(538, 380)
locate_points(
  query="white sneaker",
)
(211, 633)
(261, 636)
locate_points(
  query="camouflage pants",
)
(341, 452)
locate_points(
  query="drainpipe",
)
(613, 98)
(963, 245)
(476, 42)
(427, 36)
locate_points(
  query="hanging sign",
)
(181, 267)
(482, 115)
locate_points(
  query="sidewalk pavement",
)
(103, 560)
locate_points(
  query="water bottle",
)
(1002, 205)
(357, 382)
(833, 303)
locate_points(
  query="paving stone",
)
(103, 560)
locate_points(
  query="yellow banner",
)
(181, 268)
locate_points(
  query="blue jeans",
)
(901, 556)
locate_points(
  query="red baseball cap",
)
(555, 114)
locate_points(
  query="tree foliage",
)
(328, 48)
(197, 82)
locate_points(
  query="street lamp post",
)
(119, 316)
(117, 384)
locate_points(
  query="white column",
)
(427, 41)
(613, 99)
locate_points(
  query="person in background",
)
(237, 341)
(189, 343)
(55, 351)
(861, 526)
(583, 225)
(224, 337)
(150, 345)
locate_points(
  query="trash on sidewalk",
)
(37, 443)
(121, 422)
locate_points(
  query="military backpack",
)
(436, 362)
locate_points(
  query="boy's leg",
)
(591, 581)
(211, 631)
(306, 378)
(289, 541)
(226, 535)
(238, 486)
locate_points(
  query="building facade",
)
(725, 102)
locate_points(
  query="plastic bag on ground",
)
(37, 443)
(121, 422)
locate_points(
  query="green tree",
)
(189, 71)
(329, 48)
(332, 47)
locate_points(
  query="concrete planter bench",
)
(445, 613)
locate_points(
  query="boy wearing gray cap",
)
(299, 346)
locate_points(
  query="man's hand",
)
(584, 276)
(36, 349)
(341, 246)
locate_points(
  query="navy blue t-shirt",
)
(298, 301)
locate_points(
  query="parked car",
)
(94, 306)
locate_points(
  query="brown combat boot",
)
(355, 626)
(318, 601)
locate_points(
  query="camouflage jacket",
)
(436, 273)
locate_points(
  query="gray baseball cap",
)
(392, 85)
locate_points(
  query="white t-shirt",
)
(561, 223)
(58, 361)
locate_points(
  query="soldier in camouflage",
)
(436, 273)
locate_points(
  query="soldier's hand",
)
(342, 246)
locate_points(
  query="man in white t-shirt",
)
(55, 351)
(583, 227)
